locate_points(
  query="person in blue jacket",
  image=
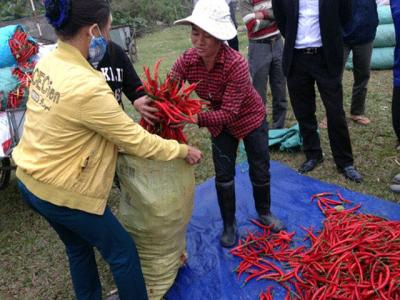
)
(358, 37)
(395, 6)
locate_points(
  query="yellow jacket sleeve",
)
(101, 113)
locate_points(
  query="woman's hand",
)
(193, 156)
(142, 105)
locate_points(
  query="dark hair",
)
(68, 16)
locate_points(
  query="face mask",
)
(97, 49)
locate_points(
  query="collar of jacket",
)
(71, 54)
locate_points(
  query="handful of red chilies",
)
(172, 99)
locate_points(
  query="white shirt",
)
(308, 31)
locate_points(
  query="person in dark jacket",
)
(358, 37)
(313, 53)
(395, 6)
(120, 74)
(122, 78)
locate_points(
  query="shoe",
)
(310, 165)
(395, 188)
(396, 179)
(270, 220)
(351, 173)
(227, 205)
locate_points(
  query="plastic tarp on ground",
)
(208, 274)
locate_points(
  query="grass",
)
(33, 264)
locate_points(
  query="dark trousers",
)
(308, 69)
(224, 150)
(233, 43)
(265, 64)
(396, 111)
(80, 232)
(361, 73)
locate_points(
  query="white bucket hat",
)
(212, 16)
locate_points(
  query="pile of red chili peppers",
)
(354, 256)
(22, 47)
(172, 99)
(18, 96)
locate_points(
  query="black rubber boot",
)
(227, 206)
(262, 198)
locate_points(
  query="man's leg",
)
(330, 88)
(233, 43)
(302, 97)
(260, 58)
(361, 72)
(278, 86)
(396, 112)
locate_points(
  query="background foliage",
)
(143, 15)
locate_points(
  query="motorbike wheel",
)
(5, 172)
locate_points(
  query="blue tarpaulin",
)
(208, 274)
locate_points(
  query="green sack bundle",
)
(385, 36)
(155, 208)
(385, 14)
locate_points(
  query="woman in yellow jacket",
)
(67, 155)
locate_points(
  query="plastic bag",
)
(5, 136)
(8, 82)
(155, 208)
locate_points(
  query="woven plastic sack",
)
(155, 208)
(8, 82)
(384, 14)
(6, 57)
(382, 59)
(385, 36)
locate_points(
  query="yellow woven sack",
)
(156, 206)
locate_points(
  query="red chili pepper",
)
(354, 256)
